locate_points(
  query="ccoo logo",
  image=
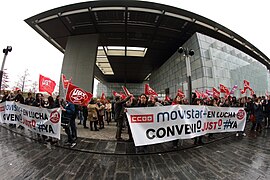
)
(77, 96)
(142, 118)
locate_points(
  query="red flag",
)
(224, 89)
(46, 84)
(115, 93)
(198, 94)
(126, 91)
(204, 95)
(243, 91)
(209, 92)
(65, 81)
(103, 97)
(77, 95)
(246, 83)
(123, 96)
(216, 93)
(251, 91)
(167, 98)
(149, 91)
(180, 93)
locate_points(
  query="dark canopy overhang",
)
(159, 28)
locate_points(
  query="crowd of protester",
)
(97, 112)
(257, 108)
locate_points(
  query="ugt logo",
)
(142, 118)
(55, 117)
(241, 114)
(77, 96)
(46, 82)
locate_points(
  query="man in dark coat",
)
(119, 115)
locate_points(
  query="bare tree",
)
(23, 80)
(34, 87)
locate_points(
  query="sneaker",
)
(237, 135)
(244, 134)
(73, 145)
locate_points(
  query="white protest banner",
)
(40, 120)
(152, 125)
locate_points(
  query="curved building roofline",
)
(158, 27)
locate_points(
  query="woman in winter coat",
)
(92, 115)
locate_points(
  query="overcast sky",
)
(248, 18)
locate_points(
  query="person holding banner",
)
(119, 115)
(29, 100)
(142, 103)
(68, 113)
(57, 101)
(258, 113)
(198, 140)
(177, 100)
(241, 103)
(39, 102)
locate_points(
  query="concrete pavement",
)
(228, 158)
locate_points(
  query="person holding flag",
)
(119, 115)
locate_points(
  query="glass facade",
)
(135, 88)
(214, 62)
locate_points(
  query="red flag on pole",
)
(246, 83)
(243, 91)
(224, 89)
(167, 98)
(251, 91)
(149, 91)
(216, 93)
(180, 93)
(65, 81)
(209, 92)
(46, 84)
(103, 97)
(198, 94)
(115, 93)
(77, 95)
(123, 96)
(126, 91)
(204, 95)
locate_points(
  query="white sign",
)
(152, 125)
(40, 120)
